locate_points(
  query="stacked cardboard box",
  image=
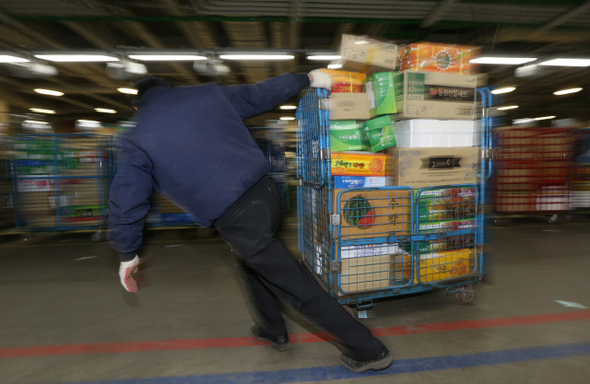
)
(361, 56)
(419, 131)
(61, 182)
(425, 56)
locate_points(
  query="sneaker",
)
(383, 360)
(280, 343)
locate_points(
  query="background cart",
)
(60, 182)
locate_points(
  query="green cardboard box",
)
(380, 133)
(348, 135)
(383, 96)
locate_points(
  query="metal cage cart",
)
(533, 166)
(61, 182)
(364, 244)
(579, 171)
(6, 187)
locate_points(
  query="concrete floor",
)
(65, 319)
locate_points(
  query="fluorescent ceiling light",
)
(76, 58)
(567, 91)
(256, 57)
(48, 92)
(41, 110)
(567, 62)
(324, 57)
(287, 107)
(287, 118)
(503, 90)
(167, 57)
(545, 118)
(128, 91)
(523, 121)
(12, 59)
(84, 121)
(507, 107)
(503, 60)
(36, 122)
(105, 110)
(334, 66)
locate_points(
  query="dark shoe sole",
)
(376, 365)
(273, 345)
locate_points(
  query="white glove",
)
(127, 269)
(319, 79)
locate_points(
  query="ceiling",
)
(520, 27)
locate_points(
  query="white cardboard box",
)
(429, 133)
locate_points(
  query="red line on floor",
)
(170, 345)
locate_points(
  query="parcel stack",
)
(62, 181)
(404, 164)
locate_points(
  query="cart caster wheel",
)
(500, 222)
(27, 238)
(98, 237)
(465, 295)
(553, 219)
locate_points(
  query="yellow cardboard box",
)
(344, 81)
(445, 265)
(361, 164)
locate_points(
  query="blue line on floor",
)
(302, 375)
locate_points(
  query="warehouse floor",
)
(65, 319)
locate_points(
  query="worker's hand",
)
(319, 79)
(126, 270)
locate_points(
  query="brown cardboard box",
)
(373, 213)
(35, 202)
(365, 55)
(365, 273)
(428, 167)
(349, 106)
(40, 219)
(433, 95)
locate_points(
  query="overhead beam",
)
(90, 34)
(436, 14)
(562, 19)
(171, 7)
(143, 34)
(198, 34)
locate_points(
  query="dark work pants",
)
(269, 270)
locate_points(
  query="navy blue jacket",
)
(191, 145)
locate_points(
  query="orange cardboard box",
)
(438, 58)
(361, 164)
